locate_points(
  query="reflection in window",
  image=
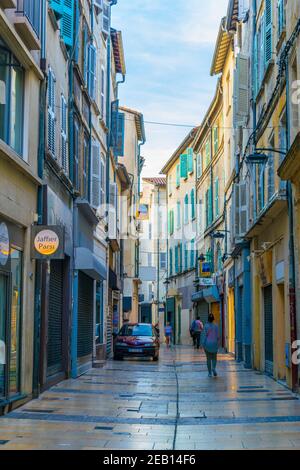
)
(15, 322)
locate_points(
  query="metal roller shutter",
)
(203, 311)
(55, 318)
(85, 315)
(268, 308)
(109, 331)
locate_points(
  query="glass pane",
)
(3, 314)
(4, 87)
(16, 123)
(15, 323)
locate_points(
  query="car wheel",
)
(156, 358)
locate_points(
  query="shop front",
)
(11, 294)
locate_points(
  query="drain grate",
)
(103, 428)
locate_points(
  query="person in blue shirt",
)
(210, 341)
(168, 334)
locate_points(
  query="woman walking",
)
(210, 343)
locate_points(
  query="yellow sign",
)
(46, 242)
(205, 269)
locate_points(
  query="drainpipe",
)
(158, 250)
(254, 118)
(41, 154)
(292, 263)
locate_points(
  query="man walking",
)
(196, 330)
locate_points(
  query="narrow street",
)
(169, 405)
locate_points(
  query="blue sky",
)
(168, 46)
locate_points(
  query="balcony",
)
(27, 21)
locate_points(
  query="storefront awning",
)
(210, 295)
(87, 262)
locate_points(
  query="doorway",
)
(268, 321)
(4, 289)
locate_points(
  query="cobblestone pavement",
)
(172, 404)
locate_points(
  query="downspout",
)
(90, 112)
(41, 155)
(254, 117)
(158, 253)
(292, 263)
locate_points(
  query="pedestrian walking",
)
(168, 335)
(196, 330)
(210, 343)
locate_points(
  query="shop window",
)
(11, 100)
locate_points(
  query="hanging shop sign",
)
(205, 269)
(207, 282)
(4, 245)
(143, 212)
(47, 242)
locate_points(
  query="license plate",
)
(135, 350)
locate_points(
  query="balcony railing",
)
(31, 9)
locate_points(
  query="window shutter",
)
(243, 209)
(216, 139)
(113, 208)
(210, 206)
(176, 260)
(178, 215)
(67, 22)
(106, 18)
(192, 260)
(92, 76)
(271, 184)
(207, 153)
(255, 67)
(186, 209)
(268, 31)
(57, 7)
(96, 175)
(242, 89)
(178, 176)
(190, 160)
(171, 262)
(85, 49)
(119, 147)
(193, 213)
(51, 113)
(217, 197)
(184, 166)
(243, 9)
(199, 165)
(64, 152)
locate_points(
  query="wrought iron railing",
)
(31, 9)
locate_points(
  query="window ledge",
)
(8, 154)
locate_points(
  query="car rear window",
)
(136, 330)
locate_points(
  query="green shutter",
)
(193, 214)
(183, 166)
(190, 160)
(192, 260)
(178, 214)
(210, 206)
(268, 31)
(57, 7)
(67, 22)
(176, 259)
(171, 262)
(216, 139)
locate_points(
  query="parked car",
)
(136, 340)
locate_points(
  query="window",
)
(199, 165)
(150, 292)
(63, 132)
(92, 77)
(207, 153)
(11, 100)
(102, 180)
(170, 185)
(192, 255)
(216, 139)
(85, 168)
(186, 255)
(281, 16)
(177, 176)
(208, 207)
(163, 260)
(271, 169)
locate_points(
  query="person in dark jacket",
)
(210, 342)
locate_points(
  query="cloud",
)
(168, 49)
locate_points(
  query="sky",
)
(168, 47)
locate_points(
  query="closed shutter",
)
(268, 310)
(64, 152)
(51, 113)
(106, 18)
(109, 330)
(190, 160)
(217, 203)
(241, 86)
(57, 7)
(55, 319)
(177, 176)
(85, 315)
(92, 71)
(67, 22)
(268, 31)
(203, 311)
(96, 176)
(193, 211)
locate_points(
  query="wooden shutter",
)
(190, 160)
(51, 113)
(119, 147)
(242, 89)
(243, 209)
(243, 9)
(199, 165)
(210, 206)
(67, 22)
(184, 166)
(96, 175)
(178, 214)
(217, 199)
(268, 31)
(178, 176)
(64, 152)
(57, 7)
(92, 77)
(106, 18)
(193, 214)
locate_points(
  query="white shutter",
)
(96, 176)
(241, 209)
(64, 152)
(112, 219)
(241, 87)
(51, 113)
(243, 9)
(106, 18)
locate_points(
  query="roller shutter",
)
(109, 331)
(203, 311)
(268, 308)
(55, 319)
(85, 315)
